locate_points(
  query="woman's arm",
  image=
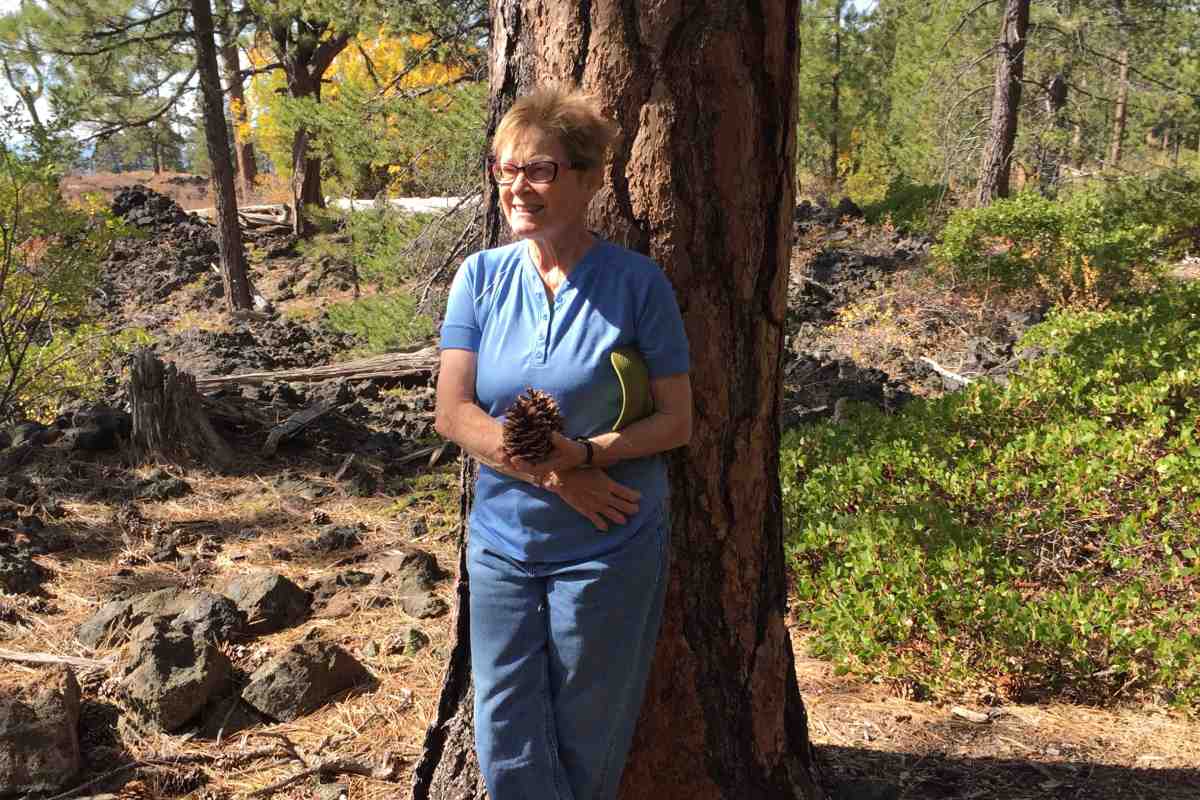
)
(459, 418)
(670, 426)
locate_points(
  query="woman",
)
(568, 557)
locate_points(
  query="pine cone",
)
(528, 424)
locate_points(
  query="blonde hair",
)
(570, 116)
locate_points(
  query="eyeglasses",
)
(505, 172)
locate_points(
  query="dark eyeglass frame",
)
(495, 166)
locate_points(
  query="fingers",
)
(624, 492)
(598, 520)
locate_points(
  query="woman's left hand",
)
(567, 454)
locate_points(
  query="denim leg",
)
(515, 736)
(604, 621)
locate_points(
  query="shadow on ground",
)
(862, 774)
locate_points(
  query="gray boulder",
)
(39, 734)
(19, 573)
(167, 676)
(408, 579)
(270, 601)
(205, 615)
(303, 679)
(407, 641)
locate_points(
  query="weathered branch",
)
(418, 364)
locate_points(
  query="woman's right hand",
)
(595, 495)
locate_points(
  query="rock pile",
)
(178, 249)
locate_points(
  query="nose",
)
(520, 182)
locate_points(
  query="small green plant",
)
(1039, 537)
(384, 322)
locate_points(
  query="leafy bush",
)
(1042, 536)
(911, 207)
(385, 322)
(1086, 248)
(49, 261)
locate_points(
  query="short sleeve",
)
(661, 337)
(460, 328)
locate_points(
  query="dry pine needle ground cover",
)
(385, 725)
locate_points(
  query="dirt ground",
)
(873, 745)
(190, 191)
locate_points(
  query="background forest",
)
(990, 409)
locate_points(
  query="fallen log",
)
(293, 425)
(419, 364)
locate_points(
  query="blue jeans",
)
(560, 653)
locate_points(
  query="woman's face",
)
(545, 211)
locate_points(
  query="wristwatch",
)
(587, 445)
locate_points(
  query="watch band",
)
(587, 445)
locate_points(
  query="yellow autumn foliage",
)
(376, 69)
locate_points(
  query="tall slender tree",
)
(229, 232)
(1006, 100)
(247, 167)
(702, 181)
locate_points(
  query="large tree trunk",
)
(702, 181)
(247, 167)
(306, 170)
(1006, 98)
(216, 136)
(305, 56)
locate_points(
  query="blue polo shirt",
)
(499, 309)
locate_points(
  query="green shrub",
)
(50, 254)
(1042, 536)
(911, 207)
(1075, 249)
(1087, 248)
(390, 249)
(384, 322)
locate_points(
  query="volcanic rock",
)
(270, 601)
(303, 679)
(39, 734)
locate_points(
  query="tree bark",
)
(1051, 155)
(1006, 98)
(305, 56)
(1120, 109)
(168, 417)
(835, 96)
(247, 167)
(701, 179)
(216, 136)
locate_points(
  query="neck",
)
(561, 254)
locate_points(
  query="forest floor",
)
(862, 310)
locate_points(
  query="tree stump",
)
(168, 414)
